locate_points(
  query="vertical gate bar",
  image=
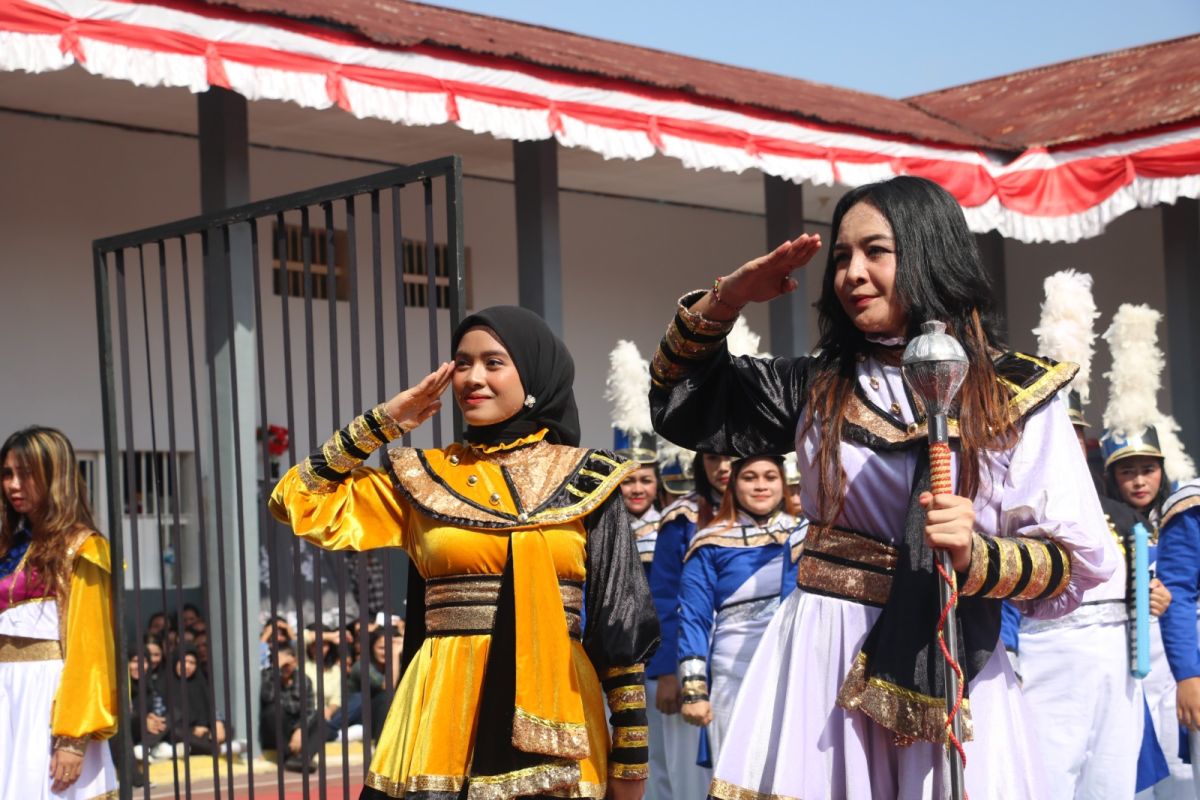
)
(200, 490)
(130, 457)
(298, 551)
(336, 417)
(402, 383)
(356, 407)
(219, 520)
(401, 310)
(431, 299)
(265, 522)
(157, 483)
(240, 507)
(172, 443)
(310, 354)
(455, 266)
(380, 389)
(114, 523)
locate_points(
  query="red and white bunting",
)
(1062, 194)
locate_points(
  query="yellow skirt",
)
(428, 738)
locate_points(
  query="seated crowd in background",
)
(299, 710)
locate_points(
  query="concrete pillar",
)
(788, 315)
(539, 253)
(991, 252)
(1181, 256)
(229, 306)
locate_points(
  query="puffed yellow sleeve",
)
(334, 502)
(85, 705)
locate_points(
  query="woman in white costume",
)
(58, 688)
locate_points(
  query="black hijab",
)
(547, 375)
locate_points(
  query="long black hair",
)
(939, 275)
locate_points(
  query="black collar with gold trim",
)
(534, 485)
(1031, 381)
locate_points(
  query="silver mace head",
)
(934, 367)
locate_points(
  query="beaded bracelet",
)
(716, 293)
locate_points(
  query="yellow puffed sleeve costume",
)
(85, 706)
(536, 609)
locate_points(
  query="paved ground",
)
(266, 779)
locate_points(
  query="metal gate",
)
(231, 344)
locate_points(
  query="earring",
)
(530, 400)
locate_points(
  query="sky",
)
(894, 48)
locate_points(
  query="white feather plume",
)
(1134, 381)
(742, 341)
(628, 388)
(669, 452)
(1065, 331)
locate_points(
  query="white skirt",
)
(788, 740)
(26, 697)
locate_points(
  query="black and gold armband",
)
(1015, 568)
(689, 340)
(625, 687)
(693, 675)
(348, 448)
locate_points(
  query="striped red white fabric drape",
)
(1059, 194)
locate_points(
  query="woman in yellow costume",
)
(58, 684)
(536, 605)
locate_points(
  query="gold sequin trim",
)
(614, 672)
(1010, 568)
(390, 427)
(336, 456)
(854, 583)
(724, 790)
(72, 744)
(977, 570)
(688, 349)
(531, 780)
(698, 323)
(626, 697)
(1039, 557)
(632, 736)
(362, 435)
(473, 589)
(1065, 580)
(583, 789)
(534, 734)
(460, 619)
(446, 612)
(312, 481)
(665, 373)
(908, 714)
(628, 772)
(450, 784)
(17, 649)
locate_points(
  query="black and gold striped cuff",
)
(346, 449)
(689, 340)
(625, 688)
(1015, 568)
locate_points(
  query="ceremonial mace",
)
(934, 367)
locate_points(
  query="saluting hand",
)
(767, 277)
(415, 405)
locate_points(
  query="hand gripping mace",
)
(934, 367)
